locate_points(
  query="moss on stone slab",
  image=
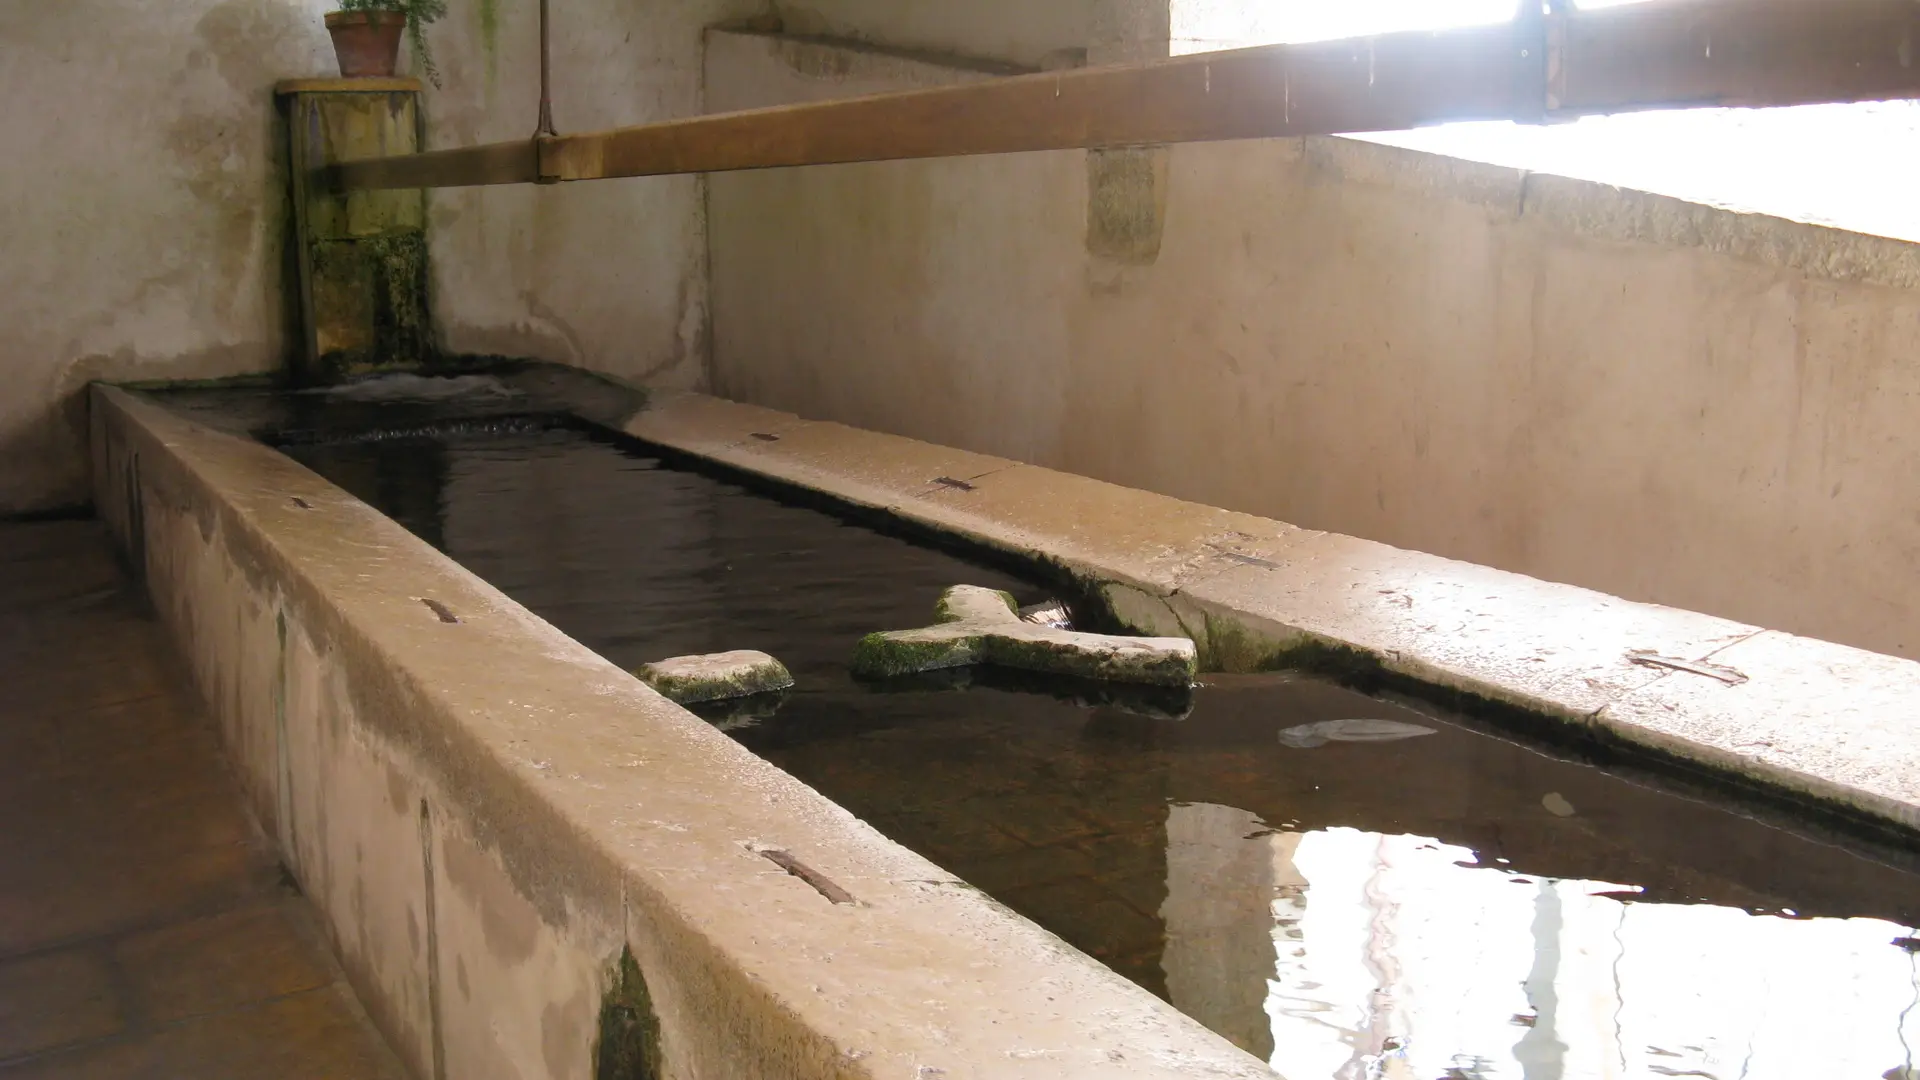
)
(947, 609)
(716, 677)
(887, 655)
(1150, 666)
(977, 625)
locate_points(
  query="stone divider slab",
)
(977, 625)
(1808, 719)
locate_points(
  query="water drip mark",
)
(820, 882)
(764, 437)
(957, 485)
(288, 835)
(443, 611)
(302, 503)
(439, 1047)
(1649, 658)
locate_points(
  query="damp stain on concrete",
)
(488, 12)
(627, 1046)
(509, 920)
(1126, 203)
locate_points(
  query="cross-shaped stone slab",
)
(980, 626)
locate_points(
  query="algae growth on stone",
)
(981, 626)
(716, 676)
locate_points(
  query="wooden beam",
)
(473, 166)
(1372, 84)
(1663, 54)
(1382, 83)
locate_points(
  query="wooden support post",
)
(360, 256)
(1664, 54)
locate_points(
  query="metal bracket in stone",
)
(981, 626)
(716, 676)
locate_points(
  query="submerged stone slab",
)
(980, 626)
(716, 676)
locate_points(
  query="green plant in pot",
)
(366, 35)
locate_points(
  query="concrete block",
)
(1817, 719)
(491, 814)
(715, 676)
(1543, 646)
(981, 626)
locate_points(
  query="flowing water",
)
(1344, 886)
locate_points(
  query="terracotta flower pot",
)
(366, 42)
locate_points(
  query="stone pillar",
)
(361, 257)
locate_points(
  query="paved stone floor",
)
(145, 928)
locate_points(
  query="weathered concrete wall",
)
(609, 276)
(1655, 399)
(487, 814)
(1021, 32)
(142, 202)
(144, 232)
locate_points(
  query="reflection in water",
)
(1219, 952)
(1395, 956)
(1346, 944)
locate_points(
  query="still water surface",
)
(1416, 902)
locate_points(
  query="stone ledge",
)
(1815, 720)
(489, 815)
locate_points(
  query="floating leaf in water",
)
(1308, 736)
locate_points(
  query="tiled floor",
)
(145, 928)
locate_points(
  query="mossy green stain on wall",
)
(489, 13)
(371, 304)
(628, 1044)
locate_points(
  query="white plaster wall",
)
(141, 206)
(1659, 400)
(1014, 31)
(608, 276)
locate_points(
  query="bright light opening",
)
(1211, 25)
(1852, 167)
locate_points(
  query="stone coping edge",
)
(1833, 728)
(504, 832)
